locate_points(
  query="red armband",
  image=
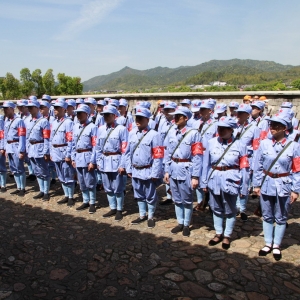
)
(46, 133)
(197, 148)
(69, 136)
(21, 131)
(255, 144)
(296, 164)
(158, 152)
(124, 147)
(94, 140)
(130, 127)
(263, 135)
(244, 162)
(1, 134)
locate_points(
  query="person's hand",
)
(194, 183)
(294, 197)
(91, 167)
(47, 157)
(21, 156)
(74, 164)
(256, 191)
(242, 196)
(205, 190)
(129, 175)
(121, 171)
(68, 160)
(2, 152)
(166, 178)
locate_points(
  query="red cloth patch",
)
(255, 144)
(94, 140)
(296, 164)
(130, 127)
(197, 148)
(263, 135)
(69, 136)
(21, 131)
(124, 147)
(244, 162)
(1, 134)
(46, 133)
(158, 152)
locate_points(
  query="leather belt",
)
(177, 160)
(36, 142)
(275, 175)
(141, 167)
(83, 150)
(225, 168)
(13, 141)
(59, 145)
(111, 153)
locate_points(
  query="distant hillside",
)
(227, 70)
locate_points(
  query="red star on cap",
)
(139, 110)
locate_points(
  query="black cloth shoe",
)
(31, 177)
(111, 213)
(83, 206)
(177, 229)
(244, 217)
(226, 246)
(166, 202)
(46, 197)
(216, 240)
(71, 202)
(92, 209)
(138, 221)
(119, 215)
(21, 193)
(63, 201)
(3, 190)
(98, 205)
(53, 181)
(264, 252)
(15, 192)
(38, 196)
(151, 223)
(277, 256)
(186, 231)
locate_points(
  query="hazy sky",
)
(97, 37)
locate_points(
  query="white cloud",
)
(91, 14)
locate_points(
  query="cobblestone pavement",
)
(49, 251)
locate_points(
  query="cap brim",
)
(219, 111)
(195, 109)
(278, 120)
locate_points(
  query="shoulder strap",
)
(242, 133)
(109, 135)
(206, 128)
(82, 132)
(140, 142)
(58, 127)
(275, 160)
(186, 134)
(12, 122)
(219, 160)
(168, 131)
(34, 126)
(157, 124)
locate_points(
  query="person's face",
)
(92, 107)
(33, 110)
(276, 128)
(100, 108)
(44, 110)
(221, 114)
(122, 110)
(70, 110)
(180, 120)
(205, 112)
(82, 117)
(20, 108)
(255, 111)
(109, 118)
(185, 105)
(8, 112)
(256, 97)
(232, 111)
(141, 122)
(225, 132)
(246, 101)
(166, 112)
(242, 117)
(59, 111)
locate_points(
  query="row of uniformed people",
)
(183, 211)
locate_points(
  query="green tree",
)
(27, 84)
(11, 87)
(296, 84)
(49, 82)
(38, 82)
(2, 88)
(68, 85)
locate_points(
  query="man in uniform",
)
(233, 106)
(111, 145)
(60, 151)
(186, 102)
(37, 138)
(71, 106)
(125, 119)
(247, 99)
(144, 157)
(84, 157)
(48, 99)
(221, 110)
(15, 146)
(183, 157)
(3, 170)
